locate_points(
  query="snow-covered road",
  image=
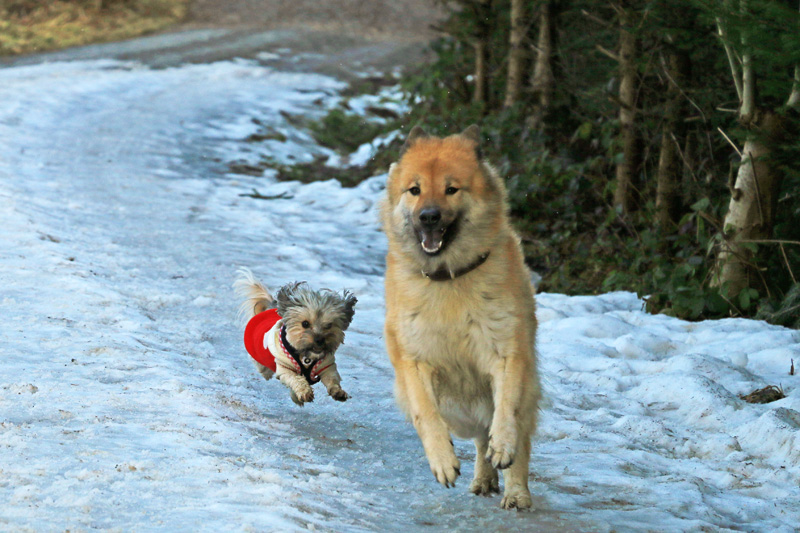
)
(127, 400)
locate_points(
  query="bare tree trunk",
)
(628, 167)
(543, 80)
(668, 179)
(751, 211)
(516, 53)
(754, 194)
(481, 94)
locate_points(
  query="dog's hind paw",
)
(519, 499)
(485, 486)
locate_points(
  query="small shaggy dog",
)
(305, 330)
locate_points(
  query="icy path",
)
(126, 399)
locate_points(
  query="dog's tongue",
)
(431, 240)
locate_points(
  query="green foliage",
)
(343, 131)
(784, 312)
(561, 181)
(339, 129)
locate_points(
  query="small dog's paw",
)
(294, 398)
(502, 448)
(339, 394)
(485, 486)
(305, 395)
(445, 466)
(519, 499)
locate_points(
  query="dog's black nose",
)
(319, 340)
(430, 216)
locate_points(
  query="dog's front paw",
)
(303, 396)
(516, 498)
(445, 466)
(502, 448)
(338, 394)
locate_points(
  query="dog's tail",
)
(256, 297)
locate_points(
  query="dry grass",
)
(61, 24)
(768, 394)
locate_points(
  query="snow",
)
(127, 400)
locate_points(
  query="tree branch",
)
(606, 51)
(737, 80)
(748, 78)
(730, 141)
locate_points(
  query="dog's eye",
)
(414, 191)
(450, 190)
(327, 326)
(306, 324)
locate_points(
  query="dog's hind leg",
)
(485, 481)
(265, 372)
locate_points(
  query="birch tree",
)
(750, 217)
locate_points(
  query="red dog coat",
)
(254, 334)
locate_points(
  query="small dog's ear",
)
(285, 297)
(349, 301)
(416, 133)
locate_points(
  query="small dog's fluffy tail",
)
(257, 297)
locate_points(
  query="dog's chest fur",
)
(460, 328)
(456, 323)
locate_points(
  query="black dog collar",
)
(444, 274)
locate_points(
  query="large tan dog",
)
(460, 313)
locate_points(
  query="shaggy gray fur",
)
(300, 295)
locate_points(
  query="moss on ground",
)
(341, 130)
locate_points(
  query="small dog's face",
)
(315, 320)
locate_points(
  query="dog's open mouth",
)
(432, 240)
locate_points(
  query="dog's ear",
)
(473, 133)
(416, 133)
(349, 308)
(285, 297)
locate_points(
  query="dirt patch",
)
(408, 19)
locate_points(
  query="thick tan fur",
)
(462, 349)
